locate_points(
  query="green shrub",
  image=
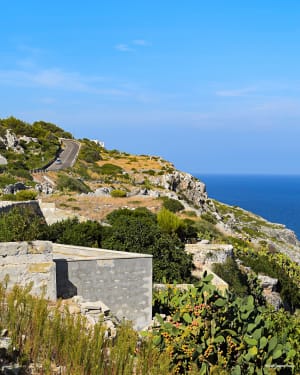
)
(21, 224)
(22, 195)
(208, 216)
(26, 195)
(72, 184)
(138, 231)
(230, 272)
(172, 205)
(207, 231)
(8, 197)
(190, 213)
(168, 221)
(110, 169)
(150, 172)
(89, 152)
(72, 232)
(118, 193)
(262, 263)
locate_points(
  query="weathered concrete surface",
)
(123, 281)
(26, 263)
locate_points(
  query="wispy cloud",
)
(58, 79)
(236, 92)
(132, 46)
(141, 42)
(123, 48)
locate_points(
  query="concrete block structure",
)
(122, 280)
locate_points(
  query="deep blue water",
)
(276, 198)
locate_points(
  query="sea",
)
(275, 198)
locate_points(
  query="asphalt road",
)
(67, 156)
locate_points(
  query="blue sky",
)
(213, 86)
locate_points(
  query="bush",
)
(110, 169)
(190, 213)
(21, 224)
(8, 197)
(72, 184)
(118, 193)
(72, 232)
(138, 231)
(168, 221)
(207, 231)
(208, 216)
(26, 195)
(6, 179)
(288, 288)
(172, 205)
(230, 272)
(90, 152)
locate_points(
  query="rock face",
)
(44, 187)
(12, 142)
(208, 254)
(270, 293)
(14, 188)
(189, 188)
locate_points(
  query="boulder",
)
(3, 160)
(13, 188)
(103, 191)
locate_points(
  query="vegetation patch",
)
(172, 205)
(72, 184)
(118, 193)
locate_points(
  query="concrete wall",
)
(123, 281)
(30, 262)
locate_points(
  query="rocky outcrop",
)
(208, 254)
(270, 293)
(13, 142)
(44, 187)
(14, 188)
(186, 187)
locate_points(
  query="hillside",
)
(143, 204)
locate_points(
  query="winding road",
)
(67, 157)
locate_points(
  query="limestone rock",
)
(268, 282)
(44, 187)
(104, 191)
(188, 187)
(14, 188)
(3, 160)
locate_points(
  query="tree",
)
(138, 231)
(72, 232)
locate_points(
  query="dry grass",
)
(129, 163)
(97, 208)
